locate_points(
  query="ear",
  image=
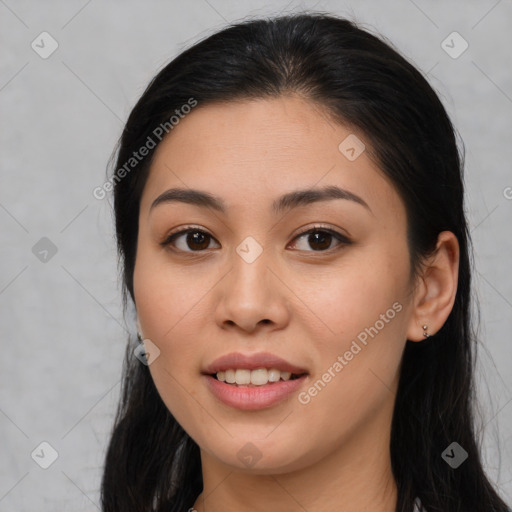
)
(436, 288)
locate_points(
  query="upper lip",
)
(236, 360)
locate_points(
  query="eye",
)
(196, 239)
(320, 239)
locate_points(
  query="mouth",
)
(253, 381)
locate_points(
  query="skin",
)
(302, 304)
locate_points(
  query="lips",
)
(260, 394)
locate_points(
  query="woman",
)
(289, 212)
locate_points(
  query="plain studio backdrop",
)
(70, 72)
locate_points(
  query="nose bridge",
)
(249, 294)
(249, 264)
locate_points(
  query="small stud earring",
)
(425, 333)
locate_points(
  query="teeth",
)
(230, 376)
(258, 377)
(274, 375)
(243, 377)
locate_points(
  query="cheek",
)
(359, 361)
(160, 306)
(357, 295)
(363, 310)
(166, 296)
(167, 303)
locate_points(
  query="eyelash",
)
(342, 239)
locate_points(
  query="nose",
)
(252, 296)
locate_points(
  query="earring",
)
(425, 333)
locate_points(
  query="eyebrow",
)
(286, 202)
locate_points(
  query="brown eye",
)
(320, 240)
(189, 240)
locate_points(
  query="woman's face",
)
(332, 306)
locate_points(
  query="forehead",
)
(251, 151)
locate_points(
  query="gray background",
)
(62, 326)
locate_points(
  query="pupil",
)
(324, 237)
(197, 238)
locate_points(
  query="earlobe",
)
(436, 290)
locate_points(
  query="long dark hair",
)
(151, 462)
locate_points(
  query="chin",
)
(261, 456)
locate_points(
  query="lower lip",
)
(254, 397)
